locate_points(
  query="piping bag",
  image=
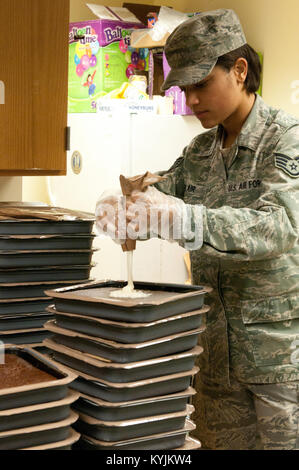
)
(136, 183)
(128, 185)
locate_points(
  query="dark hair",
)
(253, 78)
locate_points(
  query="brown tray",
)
(119, 373)
(37, 435)
(120, 352)
(35, 393)
(107, 411)
(11, 292)
(36, 415)
(164, 300)
(23, 322)
(130, 333)
(24, 337)
(190, 444)
(66, 444)
(46, 273)
(46, 242)
(131, 391)
(111, 431)
(162, 441)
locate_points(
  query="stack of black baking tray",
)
(41, 247)
(135, 360)
(35, 402)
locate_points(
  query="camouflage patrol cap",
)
(194, 46)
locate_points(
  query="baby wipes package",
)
(100, 56)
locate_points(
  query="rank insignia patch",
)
(289, 165)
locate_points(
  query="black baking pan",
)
(20, 322)
(17, 396)
(107, 411)
(36, 415)
(66, 444)
(13, 292)
(25, 306)
(39, 259)
(129, 332)
(164, 441)
(45, 227)
(190, 444)
(128, 429)
(37, 435)
(164, 300)
(131, 391)
(53, 273)
(46, 242)
(39, 347)
(116, 372)
(24, 336)
(120, 352)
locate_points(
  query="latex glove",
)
(110, 215)
(154, 214)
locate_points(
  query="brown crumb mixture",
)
(16, 372)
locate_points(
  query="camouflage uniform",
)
(250, 258)
(248, 385)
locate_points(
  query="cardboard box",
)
(179, 99)
(141, 10)
(159, 68)
(143, 38)
(99, 60)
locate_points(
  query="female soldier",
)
(241, 179)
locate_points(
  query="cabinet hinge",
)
(67, 138)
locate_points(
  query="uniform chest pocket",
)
(272, 327)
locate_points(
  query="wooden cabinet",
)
(33, 86)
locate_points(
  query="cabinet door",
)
(33, 86)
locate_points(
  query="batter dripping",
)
(128, 291)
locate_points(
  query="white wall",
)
(10, 188)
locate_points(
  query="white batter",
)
(128, 291)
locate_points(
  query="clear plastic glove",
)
(154, 214)
(110, 215)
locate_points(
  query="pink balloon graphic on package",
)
(85, 58)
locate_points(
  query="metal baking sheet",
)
(27, 306)
(130, 332)
(24, 337)
(35, 393)
(108, 411)
(21, 322)
(53, 273)
(13, 292)
(128, 429)
(49, 258)
(120, 352)
(116, 372)
(37, 435)
(164, 441)
(37, 414)
(164, 300)
(66, 444)
(114, 392)
(46, 242)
